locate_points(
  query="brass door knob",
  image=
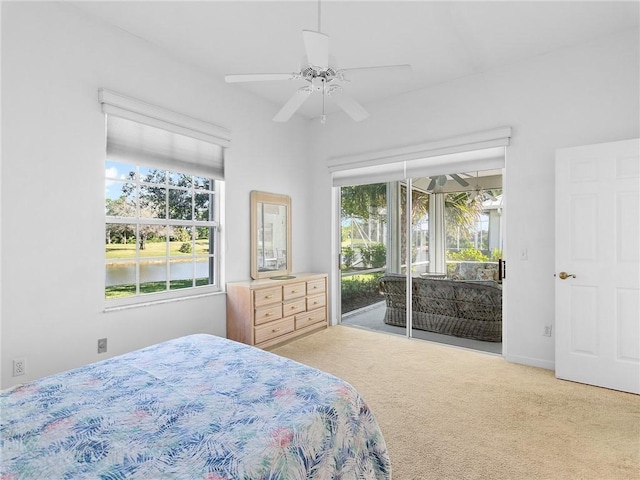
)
(565, 275)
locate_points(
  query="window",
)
(161, 230)
(164, 178)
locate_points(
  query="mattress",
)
(195, 407)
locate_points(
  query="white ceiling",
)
(441, 40)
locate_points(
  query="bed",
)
(197, 407)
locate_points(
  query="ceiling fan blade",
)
(259, 77)
(316, 45)
(432, 185)
(460, 180)
(405, 66)
(292, 105)
(349, 105)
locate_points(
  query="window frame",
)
(215, 191)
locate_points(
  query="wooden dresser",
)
(267, 312)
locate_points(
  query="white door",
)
(598, 248)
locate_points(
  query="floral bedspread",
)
(198, 407)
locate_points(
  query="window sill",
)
(147, 301)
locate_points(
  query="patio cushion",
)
(474, 271)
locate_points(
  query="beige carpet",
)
(450, 413)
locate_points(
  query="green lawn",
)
(154, 249)
(118, 291)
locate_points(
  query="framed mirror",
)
(270, 235)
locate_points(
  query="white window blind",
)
(145, 134)
(480, 151)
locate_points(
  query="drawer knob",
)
(268, 314)
(293, 307)
(315, 303)
(275, 330)
(268, 296)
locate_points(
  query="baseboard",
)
(531, 362)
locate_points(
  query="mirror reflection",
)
(270, 235)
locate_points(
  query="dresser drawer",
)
(309, 318)
(274, 329)
(294, 306)
(315, 286)
(294, 290)
(316, 301)
(265, 296)
(268, 314)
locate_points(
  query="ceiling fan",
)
(440, 180)
(321, 77)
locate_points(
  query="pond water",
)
(155, 272)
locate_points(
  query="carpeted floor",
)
(451, 413)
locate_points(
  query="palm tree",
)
(461, 210)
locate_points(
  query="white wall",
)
(577, 96)
(54, 60)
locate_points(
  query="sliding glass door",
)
(426, 229)
(457, 292)
(364, 225)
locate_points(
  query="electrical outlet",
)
(102, 345)
(547, 330)
(19, 367)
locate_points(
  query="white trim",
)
(158, 301)
(407, 259)
(160, 221)
(154, 116)
(336, 250)
(476, 141)
(530, 361)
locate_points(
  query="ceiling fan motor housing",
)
(310, 73)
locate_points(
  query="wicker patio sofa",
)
(469, 309)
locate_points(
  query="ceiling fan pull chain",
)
(319, 16)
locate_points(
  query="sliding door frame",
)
(407, 260)
(433, 158)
